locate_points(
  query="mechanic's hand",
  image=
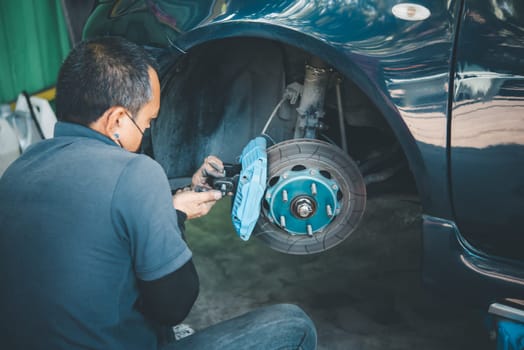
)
(212, 167)
(195, 204)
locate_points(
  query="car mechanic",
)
(92, 251)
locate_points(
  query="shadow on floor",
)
(365, 293)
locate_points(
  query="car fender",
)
(427, 160)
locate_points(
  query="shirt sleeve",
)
(143, 215)
(169, 299)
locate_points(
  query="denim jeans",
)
(282, 326)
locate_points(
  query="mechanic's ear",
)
(113, 120)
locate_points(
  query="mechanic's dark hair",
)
(101, 73)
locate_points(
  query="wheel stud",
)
(314, 189)
(309, 230)
(284, 196)
(329, 211)
(282, 221)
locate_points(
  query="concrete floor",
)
(363, 294)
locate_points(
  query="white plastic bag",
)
(9, 147)
(28, 131)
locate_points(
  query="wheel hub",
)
(302, 202)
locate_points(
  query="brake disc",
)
(315, 197)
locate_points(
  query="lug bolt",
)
(282, 221)
(329, 211)
(309, 230)
(314, 189)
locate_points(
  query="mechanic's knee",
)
(296, 319)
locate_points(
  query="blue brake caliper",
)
(250, 188)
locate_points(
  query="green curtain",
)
(33, 43)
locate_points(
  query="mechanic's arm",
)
(169, 299)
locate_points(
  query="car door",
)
(487, 127)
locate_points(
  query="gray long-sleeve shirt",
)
(80, 221)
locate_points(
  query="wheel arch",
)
(353, 66)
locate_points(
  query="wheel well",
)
(220, 94)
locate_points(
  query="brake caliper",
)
(250, 187)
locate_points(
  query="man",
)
(92, 254)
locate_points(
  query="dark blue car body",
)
(450, 88)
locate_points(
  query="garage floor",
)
(363, 294)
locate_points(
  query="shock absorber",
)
(311, 107)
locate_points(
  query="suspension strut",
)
(311, 108)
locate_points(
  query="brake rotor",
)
(314, 199)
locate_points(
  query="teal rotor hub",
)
(302, 202)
